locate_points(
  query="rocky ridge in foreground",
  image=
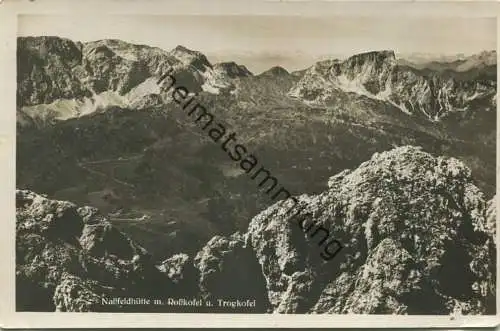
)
(417, 236)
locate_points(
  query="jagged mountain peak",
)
(119, 45)
(374, 59)
(42, 47)
(118, 66)
(111, 42)
(42, 39)
(232, 69)
(78, 73)
(223, 75)
(403, 160)
(184, 49)
(275, 71)
(379, 55)
(402, 207)
(377, 75)
(191, 57)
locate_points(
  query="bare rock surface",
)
(377, 75)
(228, 270)
(72, 266)
(409, 223)
(417, 237)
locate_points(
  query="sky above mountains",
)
(260, 42)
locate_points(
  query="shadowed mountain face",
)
(96, 128)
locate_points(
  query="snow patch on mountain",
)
(64, 109)
(149, 86)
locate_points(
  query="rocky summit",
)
(409, 223)
(377, 75)
(417, 236)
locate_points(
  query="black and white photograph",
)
(256, 164)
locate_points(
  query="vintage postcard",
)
(227, 163)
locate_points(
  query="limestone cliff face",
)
(377, 75)
(53, 69)
(49, 68)
(410, 224)
(57, 70)
(417, 236)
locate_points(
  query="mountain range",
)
(485, 61)
(94, 127)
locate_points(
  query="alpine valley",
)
(120, 194)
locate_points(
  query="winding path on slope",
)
(84, 166)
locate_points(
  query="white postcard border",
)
(10, 9)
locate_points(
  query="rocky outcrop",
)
(491, 217)
(75, 294)
(72, 260)
(232, 69)
(104, 239)
(181, 270)
(377, 75)
(275, 71)
(228, 270)
(409, 223)
(223, 77)
(175, 267)
(39, 84)
(191, 58)
(417, 237)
